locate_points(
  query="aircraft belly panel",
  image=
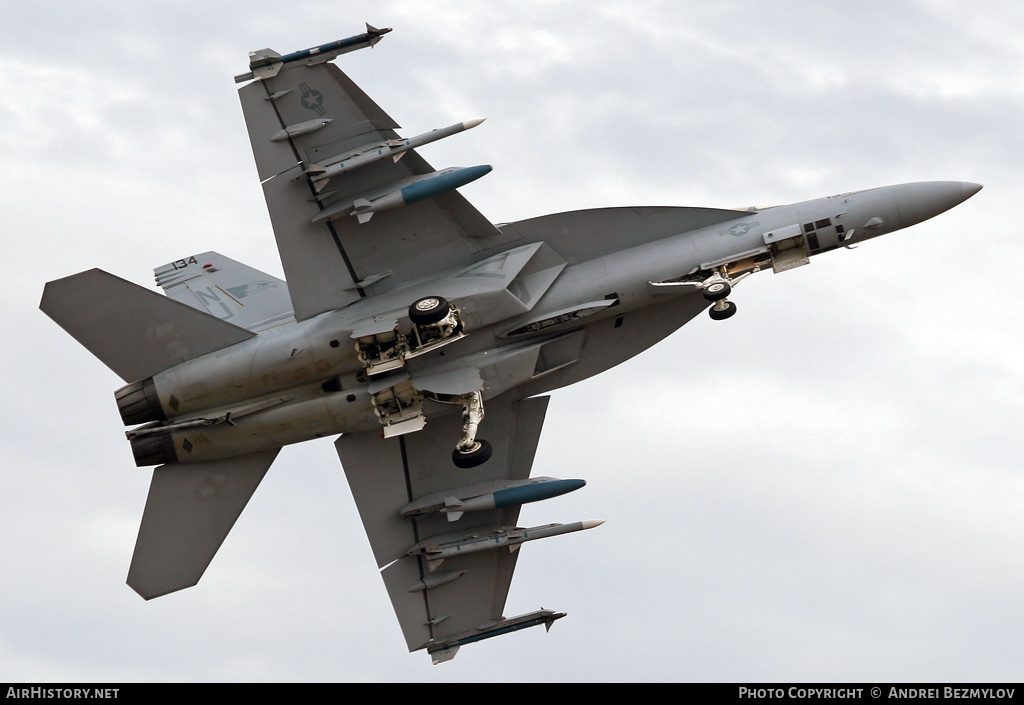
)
(612, 341)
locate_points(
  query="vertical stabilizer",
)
(228, 290)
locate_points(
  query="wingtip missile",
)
(374, 31)
(445, 648)
(267, 63)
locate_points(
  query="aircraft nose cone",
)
(924, 200)
(970, 189)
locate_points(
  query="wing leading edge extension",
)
(421, 516)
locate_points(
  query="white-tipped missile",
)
(437, 548)
(367, 154)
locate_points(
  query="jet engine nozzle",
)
(138, 403)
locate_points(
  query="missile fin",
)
(359, 209)
(451, 508)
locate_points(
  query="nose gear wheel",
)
(721, 310)
(715, 289)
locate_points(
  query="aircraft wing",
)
(306, 122)
(461, 599)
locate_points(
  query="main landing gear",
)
(471, 452)
(397, 403)
(435, 319)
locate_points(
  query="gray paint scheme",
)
(189, 512)
(133, 331)
(323, 261)
(542, 303)
(209, 282)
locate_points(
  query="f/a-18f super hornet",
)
(413, 328)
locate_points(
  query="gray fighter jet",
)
(413, 328)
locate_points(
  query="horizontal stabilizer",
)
(133, 331)
(190, 510)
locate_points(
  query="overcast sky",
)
(828, 486)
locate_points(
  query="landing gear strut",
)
(471, 452)
(721, 310)
(715, 289)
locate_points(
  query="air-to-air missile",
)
(496, 494)
(437, 548)
(446, 648)
(320, 174)
(266, 63)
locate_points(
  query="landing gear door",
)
(787, 247)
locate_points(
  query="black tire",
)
(729, 310)
(429, 310)
(480, 454)
(717, 291)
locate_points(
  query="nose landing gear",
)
(715, 289)
(721, 310)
